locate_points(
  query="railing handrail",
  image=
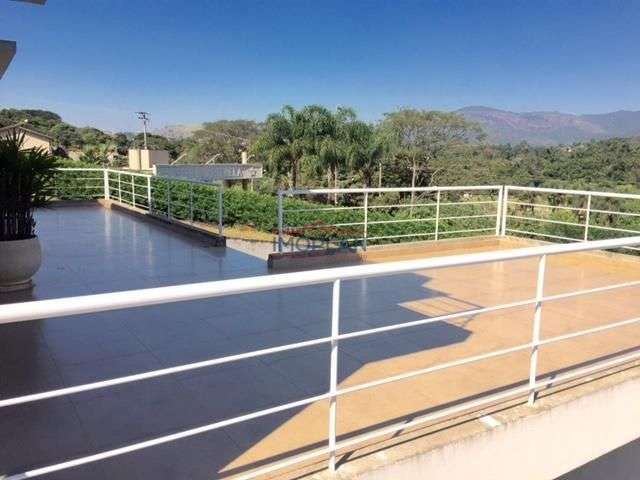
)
(196, 291)
(79, 169)
(387, 189)
(594, 193)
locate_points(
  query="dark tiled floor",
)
(91, 250)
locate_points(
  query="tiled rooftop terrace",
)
(92, 250)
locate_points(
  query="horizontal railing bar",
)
(542, 205)
(342, 445)
(614, 229)
(346, 336)
(559, 237)
(152, 296)
(409, 220)
(158, 373)
(432, 369)
(84, 187)
(68, 169)
(489, 399)
(133, 174)
(483, 310)
(326, 225)
(401, 220)
(403, 205)
(406, 205)
(589, 331)
(471, 230)
(574, 192)
(613, 212)
(84, 179)
(164, 439)
(322, 209)
(320, 191)
(404, 235)
(545, 220)
(422, 234)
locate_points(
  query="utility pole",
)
(144, 116)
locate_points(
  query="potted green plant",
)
(25, 175)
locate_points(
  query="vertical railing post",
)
(503, 212)
(133, 191)
(149, 206)
(366, 217)
(499, 211)
(437, 230)
(168, 199)
(587, 219)
(191, 202)
(333, 374)
(105, 173)
(119, 187)
(221, 209)
(280, 222)
(535, 338)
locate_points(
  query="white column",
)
(106, 184)
(366, 216)
(221, 209)
(505, 206)
(149, 206)
(499, 211)
(587, 219)
(437, 214)
(191, 202)
(280, 222)
(333, 374)
(535, 338)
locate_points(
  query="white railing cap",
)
(196, 291)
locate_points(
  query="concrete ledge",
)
(570, 425)
(334, 257)
(73, 203)
(177, 226)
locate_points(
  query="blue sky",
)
(96, 62)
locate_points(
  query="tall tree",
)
(282, 144)
(366, 150)
(224, 139)
(421, 135)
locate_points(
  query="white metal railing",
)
(512, 213)
(139, 190)
(582, 212)
(503, 209)
(489, 195)
(37, 310)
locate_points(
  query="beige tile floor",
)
(92, 250)
(462, 289)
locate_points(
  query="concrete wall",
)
(30, 140)
(141, 159)
(541, 444)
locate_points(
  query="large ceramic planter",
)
(19, 261)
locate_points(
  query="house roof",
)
(7, 52)
(18, 126)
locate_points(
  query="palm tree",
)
(282, 143)
(366, 150)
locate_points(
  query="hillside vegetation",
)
(317, 147)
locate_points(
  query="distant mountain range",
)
(178, 131)
(502, 126)
(552, 128)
